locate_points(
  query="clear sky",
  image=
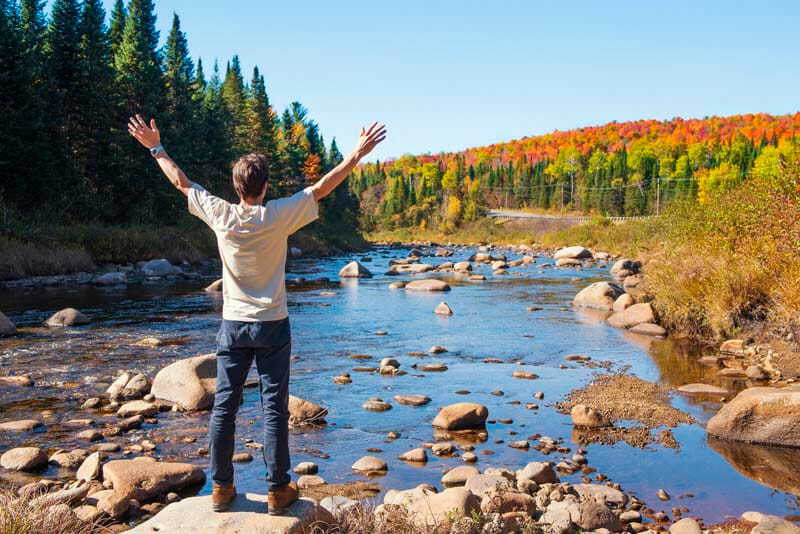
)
(446, 75)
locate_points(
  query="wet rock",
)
(23, 425)
(303, 412)
(242, 457)
(539, 472)
(762, 414)
(524, 375)
(214, 287)
(91, 404)
(397, 285)
(462, 266)
(90, 468)
(111, 279)
(623, 302)
(702, 389)
(586, 417)
(16, 381)
(662, 495)
(7, 327)
(310, 481)
(430, 284)
(144, 478)
(137, 387)
(89, 435)
(469, 457)
(114, 391)
(370, 464)
(461, 416)
(437, 349)
(343, 378)
(568, 262)
(246, 514)
(433, 367)
(189, 383)
(23, 459)
(521, 444)
(412, 400)
(418, 455)
(67, 317)
(376, 405)
(649, 329)
(306, 468)
(477, 277)
(685, 526)
(632, 316)
(158, 268)
(354, 270)
(598, 296)
(443, 309)
(137, 407)
(576, 252)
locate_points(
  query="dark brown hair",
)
(249, 175)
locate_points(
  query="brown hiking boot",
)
(222, 496)
(279, 499)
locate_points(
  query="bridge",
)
(511, 214)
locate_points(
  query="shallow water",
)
(490, 321)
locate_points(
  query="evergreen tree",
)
(117, 26)
(233, 93)
(179, 121)
(261, 130)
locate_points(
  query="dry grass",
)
(19, 515)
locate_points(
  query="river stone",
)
(625, 267)
(539, 472)
(598, 296)
(687, 525)
(599, 492)
(90, 468)
(376, 405)
(111, 279)
(486, 483)
(247, 514)
(437, 349)
(354, 270)
(306, 468)
(23, 425)
(137, 387)
(7, 328)
(434, 367)
(412, 400)
(770, 524)
(214, 287)
(338, 504)
(462, 266)
(114, 391)
(649, 329)
(458, 476)
(431, 510)
(632, 316)
(23, 459)
(418, 455)
(303, 412)
(137, 407)
(461, 416)
(525, 375)
(67, 317)
(702, 389)
(586, 417)
(89, 434)
(761, 415)
(623, 302)
(572, 252)
(188, 383)
(68, 459)
(595, 515)
(242, 457)
(430, 284)
(733, 346)
(568, 262)
(16, 381)
(443, 309)
(144, 478)
(310, 481)
(397, 285)
(158, 267)
(370, 464)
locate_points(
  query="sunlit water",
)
(490, 321)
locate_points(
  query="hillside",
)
(620, 168)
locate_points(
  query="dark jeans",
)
(238, 343)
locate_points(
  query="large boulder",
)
(7, 327)
(625, 267)
(354, 270)
(160, 267)
(189, 383)
(23, 459)
(66, 317)
(429, 284)
(246, 514)
(144, 478)
(461, 416)
(598, 296)
(431, 510)
(303, 412)
(761, 415)
(632, 316)
(576, 253)
(458, 476)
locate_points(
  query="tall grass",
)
(22, 515)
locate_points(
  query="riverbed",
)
(332, 320)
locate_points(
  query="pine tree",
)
(117, 26)
(212, 138)
(261, 130)
(179, 122)
(233, 92)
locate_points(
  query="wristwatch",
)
(155, 150)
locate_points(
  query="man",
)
(255, 325)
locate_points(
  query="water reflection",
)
(774, 467)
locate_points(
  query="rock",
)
(437, 349)
(389, 362)
(159, 267)
(295, 252)
(111, 279)
(764, 415)
(462, 266)
(587, 417)
(770, 524)
(310, 481)
(601, 493)
(23, 459)
(625, 267)
(189, 383)
(733, 346)
(686, 525)
(524, 375)
(560, 515)
(144, 478)
(137, 387)
(67, 317)
(114, 391)
(113, 504)
(23, 425)
(568, 262)
(595, 515)
(486, 483)
(303, 412)
(632, 316)
(572, 252)
(90, 468)
(376, 405)
(702, 389)
(433, 367)
(539, 472)
(214, 287)
(7, 328)
(306, 468)
(16, 381)
(137, 407)
(397, 285)
(68, 459)
(404, 497)
(662, 495)
(354, 270)
(370, 464)
(649, 329)
(89, 435)
(418, 455)
(242, 457)
(461, 416)
(443, 309)
(431, 510)
(623, 302)
(338, 504)
(577, 358)
(598, 296)
(412, 400)
(64, 497)
(430, 284)
(247, 514)
(753, 372)
(343, 378)
(504, 502)
(521, 444)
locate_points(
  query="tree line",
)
(618, 169)
(70, 80)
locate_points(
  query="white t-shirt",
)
(252, 246)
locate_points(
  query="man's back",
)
(252, 247)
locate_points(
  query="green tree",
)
(117, 26)
(179, 121)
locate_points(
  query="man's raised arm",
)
(368, 139)
(150, 138)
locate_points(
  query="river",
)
(714, 480)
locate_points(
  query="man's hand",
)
(369, 139)
(149, 137)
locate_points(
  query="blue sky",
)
(446, 75)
